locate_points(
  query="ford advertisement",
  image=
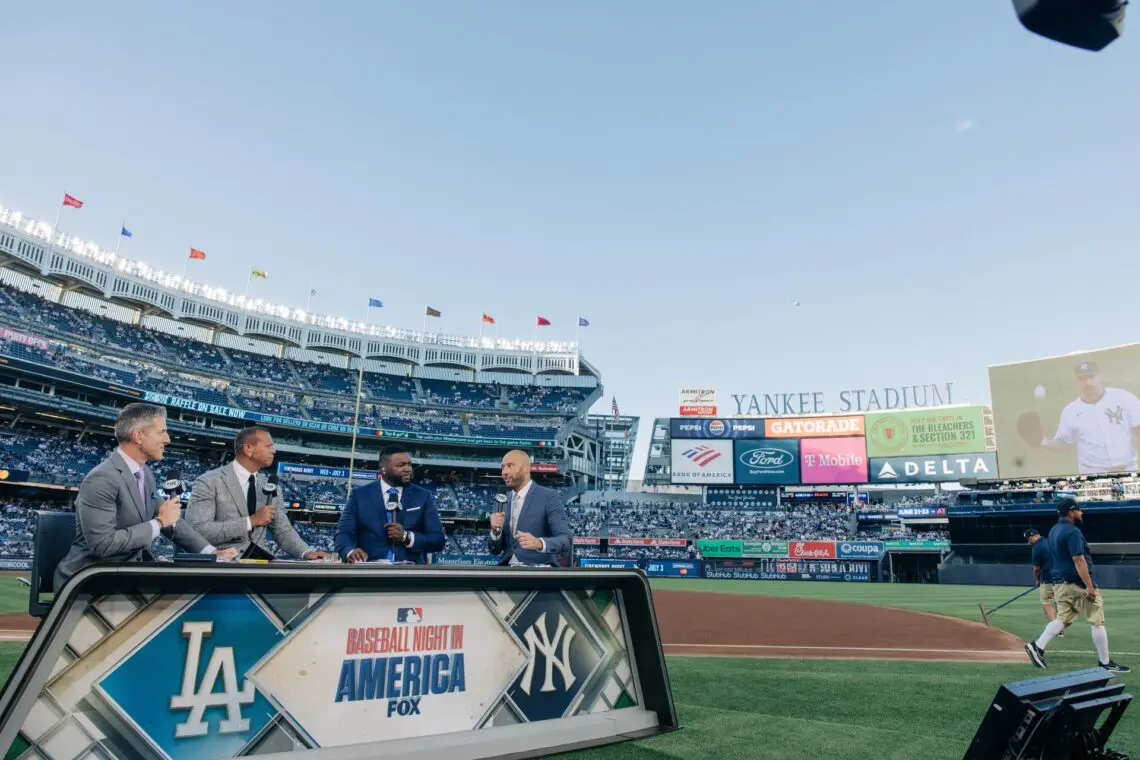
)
(705, 428)
(771, 462)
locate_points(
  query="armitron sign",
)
(698, 402)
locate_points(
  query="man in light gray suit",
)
(224, 502)
(117, 517)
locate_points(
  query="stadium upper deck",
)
(80, 309)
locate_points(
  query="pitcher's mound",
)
(742, 625)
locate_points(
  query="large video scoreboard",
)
(901, 446)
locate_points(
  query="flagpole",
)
(186, 267)
(122, 227)
(425, 324)
(356, 415)
(248, 280)
(55, 227)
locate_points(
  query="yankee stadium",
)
(502, 383)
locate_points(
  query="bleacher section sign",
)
(228, 674)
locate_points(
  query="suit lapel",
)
(131, 483)
(237, 490)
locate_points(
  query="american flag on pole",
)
(614, 408)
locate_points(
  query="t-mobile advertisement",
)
(833, 461)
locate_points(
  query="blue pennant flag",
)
(125, 232)
(374, 303)
(583, 322)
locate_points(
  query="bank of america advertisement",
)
(1068, 415)
(229, 674)
(924, 432)
(771, 462)
(701, 462)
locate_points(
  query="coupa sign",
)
(858, 549)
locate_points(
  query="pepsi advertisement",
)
(673, 568)
(775, 461)
(692, 427)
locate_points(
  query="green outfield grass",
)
(865, 710)
(842, 710)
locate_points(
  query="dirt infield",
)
(742, 625)
(17, 622)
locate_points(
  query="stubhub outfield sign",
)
(934, 469)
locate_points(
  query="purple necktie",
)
(142, 493)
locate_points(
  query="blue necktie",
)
(393, 498)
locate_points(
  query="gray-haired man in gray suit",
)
(117, 517)
(229, 505)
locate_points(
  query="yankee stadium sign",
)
(855, 400)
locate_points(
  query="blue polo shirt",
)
(1065, 542)
(1043, 559)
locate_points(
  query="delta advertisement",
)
(1068, 415)
(205, 676)
(925, 432)
(935, 469)
(771, 462)
(833, 460)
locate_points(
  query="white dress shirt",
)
(409, 536)
(519, 498)
(243, 478)
(155, 525)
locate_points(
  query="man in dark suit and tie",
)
(538, 529)
(117, 517)
(392, 519)
(224, 503)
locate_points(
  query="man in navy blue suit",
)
(538, 529)
(391, 519)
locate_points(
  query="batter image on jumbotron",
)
(1070, 415)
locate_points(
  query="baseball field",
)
(844, 671)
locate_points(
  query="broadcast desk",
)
(212, 660)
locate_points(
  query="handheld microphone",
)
(171, 488)
(392, 505)
(270, 488)
(173, 485)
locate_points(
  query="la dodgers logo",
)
(197, 698)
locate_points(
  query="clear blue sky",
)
(938, 188)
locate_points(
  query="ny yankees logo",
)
(1115, 416)
(538, 640)
(198, 698)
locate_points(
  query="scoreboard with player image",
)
(1075, 414)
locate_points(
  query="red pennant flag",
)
(543, 322)
(196, 254)
(73, 202)
(488, 318)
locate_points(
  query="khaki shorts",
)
(1072, 603)
(1047, 595)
